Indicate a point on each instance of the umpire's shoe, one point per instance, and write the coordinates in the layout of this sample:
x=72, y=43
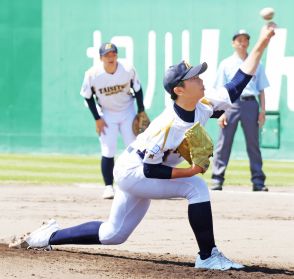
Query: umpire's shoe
x=216, y=185
x=38, y=239
x=260, y=188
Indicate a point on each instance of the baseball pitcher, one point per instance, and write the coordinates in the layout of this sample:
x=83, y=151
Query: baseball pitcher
x=148, y=167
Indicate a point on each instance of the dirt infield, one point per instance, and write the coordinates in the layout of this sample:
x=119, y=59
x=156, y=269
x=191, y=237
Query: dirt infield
x=255, y=229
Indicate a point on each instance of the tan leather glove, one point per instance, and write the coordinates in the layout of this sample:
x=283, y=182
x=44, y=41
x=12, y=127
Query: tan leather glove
x=197, y=147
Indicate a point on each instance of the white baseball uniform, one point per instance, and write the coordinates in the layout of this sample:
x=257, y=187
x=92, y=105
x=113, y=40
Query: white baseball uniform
x=157, y=145
x=116, y=102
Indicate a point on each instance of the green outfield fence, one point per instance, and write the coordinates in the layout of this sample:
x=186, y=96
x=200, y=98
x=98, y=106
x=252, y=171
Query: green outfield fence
x=47, y=45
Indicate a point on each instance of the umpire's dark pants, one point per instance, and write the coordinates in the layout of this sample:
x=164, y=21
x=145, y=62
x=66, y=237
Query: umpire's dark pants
x=245, y=111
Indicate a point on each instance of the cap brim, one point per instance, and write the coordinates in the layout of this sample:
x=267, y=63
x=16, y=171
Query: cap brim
x=195, y=71
x=241, y=34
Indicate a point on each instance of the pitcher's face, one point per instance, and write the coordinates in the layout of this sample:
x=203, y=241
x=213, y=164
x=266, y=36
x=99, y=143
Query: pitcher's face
x=194, y=88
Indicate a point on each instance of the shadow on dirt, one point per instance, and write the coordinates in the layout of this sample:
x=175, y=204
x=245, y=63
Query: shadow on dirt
x=168, y=259
x=268, y=270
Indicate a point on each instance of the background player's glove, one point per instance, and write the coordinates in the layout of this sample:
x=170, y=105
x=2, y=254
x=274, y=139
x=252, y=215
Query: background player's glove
x=140, y=123
x=197, y=147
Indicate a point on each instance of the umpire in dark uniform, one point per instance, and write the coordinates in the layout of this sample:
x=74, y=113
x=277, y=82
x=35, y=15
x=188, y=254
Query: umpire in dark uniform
x=248, y=110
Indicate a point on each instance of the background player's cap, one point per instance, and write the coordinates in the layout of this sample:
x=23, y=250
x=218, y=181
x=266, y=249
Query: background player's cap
x=107, y=47
x=241, y=32
x=182, y=71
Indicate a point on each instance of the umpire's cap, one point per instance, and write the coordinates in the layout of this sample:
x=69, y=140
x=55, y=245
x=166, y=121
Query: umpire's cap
x=107, y=47
x=239, y=33
x=182, y=71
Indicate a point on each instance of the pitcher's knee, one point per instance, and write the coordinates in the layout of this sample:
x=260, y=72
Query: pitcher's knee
x=198, y=191
x=108, y=235
x=114, y=239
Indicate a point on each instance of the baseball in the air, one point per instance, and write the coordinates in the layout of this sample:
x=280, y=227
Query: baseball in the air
x=267, y=13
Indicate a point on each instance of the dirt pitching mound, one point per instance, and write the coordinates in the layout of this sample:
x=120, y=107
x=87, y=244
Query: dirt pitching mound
x=86, y=263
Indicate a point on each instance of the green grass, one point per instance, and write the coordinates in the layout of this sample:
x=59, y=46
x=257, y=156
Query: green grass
x=65, y=169
x=49, y=169
x=278, y=173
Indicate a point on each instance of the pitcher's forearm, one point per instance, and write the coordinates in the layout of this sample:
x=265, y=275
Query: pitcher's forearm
x=251, y=63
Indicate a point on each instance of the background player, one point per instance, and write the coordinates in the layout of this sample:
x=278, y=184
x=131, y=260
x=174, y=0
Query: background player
x=146, y=170
x=111, y=82
x=246, y=110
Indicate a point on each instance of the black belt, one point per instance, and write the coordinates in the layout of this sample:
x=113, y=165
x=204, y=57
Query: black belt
x=141, y=154
x=247, y=98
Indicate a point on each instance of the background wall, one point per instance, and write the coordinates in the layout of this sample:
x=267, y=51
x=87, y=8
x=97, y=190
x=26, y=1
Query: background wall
x=20, y=75
x=46, y=46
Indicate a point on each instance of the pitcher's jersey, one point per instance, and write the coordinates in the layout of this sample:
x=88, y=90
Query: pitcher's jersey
x=161, y=139
x=112, y=90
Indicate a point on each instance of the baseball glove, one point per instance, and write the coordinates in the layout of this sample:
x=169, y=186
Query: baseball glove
x=197, y=147
x=140, y=123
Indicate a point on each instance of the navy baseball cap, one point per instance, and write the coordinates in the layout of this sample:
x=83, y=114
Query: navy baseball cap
x=107, y=47
x=182, y=71
x=241, y=32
